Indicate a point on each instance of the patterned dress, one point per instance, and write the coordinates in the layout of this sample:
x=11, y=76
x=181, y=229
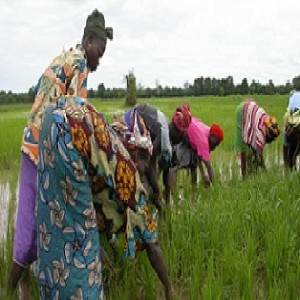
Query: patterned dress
x=66, y=75
x=85, y=177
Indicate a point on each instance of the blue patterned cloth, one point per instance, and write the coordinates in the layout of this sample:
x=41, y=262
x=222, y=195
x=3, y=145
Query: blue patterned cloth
x=69, y=262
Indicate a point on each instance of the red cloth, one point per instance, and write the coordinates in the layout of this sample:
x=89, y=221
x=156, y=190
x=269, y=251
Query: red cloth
x=182, y=117
x=217, y=131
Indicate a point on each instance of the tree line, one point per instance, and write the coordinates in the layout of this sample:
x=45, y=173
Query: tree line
x=202, y=86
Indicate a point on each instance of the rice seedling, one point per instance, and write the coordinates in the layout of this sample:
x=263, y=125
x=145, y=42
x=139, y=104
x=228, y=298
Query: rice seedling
x=238, y=239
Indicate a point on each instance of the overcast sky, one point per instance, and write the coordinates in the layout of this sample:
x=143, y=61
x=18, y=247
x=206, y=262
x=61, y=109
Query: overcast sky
x=165, y=41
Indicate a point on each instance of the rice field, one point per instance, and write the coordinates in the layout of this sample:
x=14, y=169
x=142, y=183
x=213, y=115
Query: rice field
x=236, y=240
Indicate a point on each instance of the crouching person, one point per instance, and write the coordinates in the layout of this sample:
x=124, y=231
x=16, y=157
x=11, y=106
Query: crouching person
x=164, y=135
x=291, y=133
x=254, y=129
x=86, y=183
x=195, y=150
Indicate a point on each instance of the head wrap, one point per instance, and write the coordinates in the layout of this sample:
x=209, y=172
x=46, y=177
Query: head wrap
x=272, y=127
x=182, y=117
x=95, y=24
x=217, y=131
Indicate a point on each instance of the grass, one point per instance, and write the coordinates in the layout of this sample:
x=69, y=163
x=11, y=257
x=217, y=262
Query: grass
x=235, y=240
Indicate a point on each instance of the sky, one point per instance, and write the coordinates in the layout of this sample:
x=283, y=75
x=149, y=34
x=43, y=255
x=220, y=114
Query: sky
x=166, y=42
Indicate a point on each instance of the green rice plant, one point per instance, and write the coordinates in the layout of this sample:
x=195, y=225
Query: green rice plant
x=238, y=239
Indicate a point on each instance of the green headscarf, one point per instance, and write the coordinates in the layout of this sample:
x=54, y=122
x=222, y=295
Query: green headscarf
x=95, y=24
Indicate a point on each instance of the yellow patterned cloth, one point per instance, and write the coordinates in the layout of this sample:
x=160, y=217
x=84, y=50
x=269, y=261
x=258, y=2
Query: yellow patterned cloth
x=119, y=195
x=292, y=118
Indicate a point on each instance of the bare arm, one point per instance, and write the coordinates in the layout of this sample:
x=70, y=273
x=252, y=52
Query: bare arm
x=210, y=179
x=260, y=159
x=210, y=171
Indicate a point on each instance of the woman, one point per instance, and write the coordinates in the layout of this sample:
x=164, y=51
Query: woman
x=66, y=76
x=82, y=162
x=163, y=135
x=195, y=150
x=292, y=128
x=254, y=129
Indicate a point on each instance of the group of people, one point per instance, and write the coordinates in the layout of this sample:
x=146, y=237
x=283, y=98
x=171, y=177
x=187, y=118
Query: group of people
x=81, y=175
x=77, y=179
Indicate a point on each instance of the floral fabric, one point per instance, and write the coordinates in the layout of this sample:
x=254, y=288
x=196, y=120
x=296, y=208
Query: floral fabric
x=66, y=76
x=137, y=134
x=93, y=186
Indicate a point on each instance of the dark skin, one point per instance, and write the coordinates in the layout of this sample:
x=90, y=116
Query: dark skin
x=156, y=259
x=250, y=163
x=153, y=168
x=94, y=48
x=141, y=158
x=291, y=151
x=213, y=142
x=142, y=161
x=292, y=135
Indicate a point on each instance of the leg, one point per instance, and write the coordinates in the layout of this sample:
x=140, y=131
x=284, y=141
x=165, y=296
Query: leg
x=243, y=164
x=166, y=182
x=24, y=247
x=194, y=174
x=152, y=177
x=292, y=154
x=156, y=259
x=286, y=155
x=172, y=180
x=15, y=274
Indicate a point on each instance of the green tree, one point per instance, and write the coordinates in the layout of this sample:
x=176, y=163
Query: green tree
x=91, y=93
x=207, y=86
x=198, y=86
x=296, y=82
x=270, y=88
x=244, y=87
x=100, y=91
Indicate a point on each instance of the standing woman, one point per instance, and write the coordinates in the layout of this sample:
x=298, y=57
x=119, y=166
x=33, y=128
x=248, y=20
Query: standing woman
x=66, y=76
x=81, y=164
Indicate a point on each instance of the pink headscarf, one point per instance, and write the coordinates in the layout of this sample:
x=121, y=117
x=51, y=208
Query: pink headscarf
x=182, y=117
